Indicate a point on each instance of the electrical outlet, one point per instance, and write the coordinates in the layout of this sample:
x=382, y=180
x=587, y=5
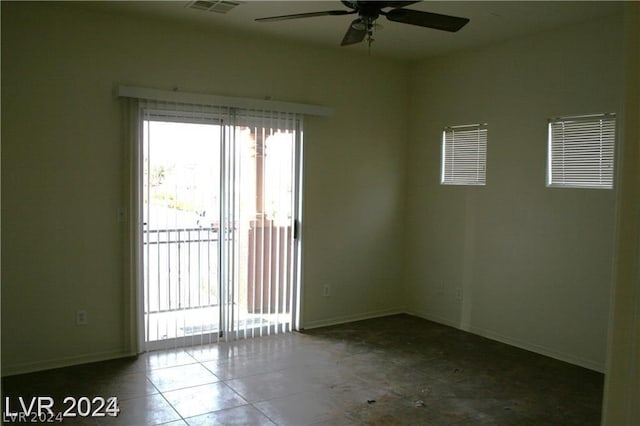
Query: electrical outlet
x=81, y=317
x=326, y=290
x=459, y=293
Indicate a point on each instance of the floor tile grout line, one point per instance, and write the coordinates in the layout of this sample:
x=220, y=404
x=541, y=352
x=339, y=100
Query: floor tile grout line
x=249, y=403
x=264, y=414
x=173, y=408
x=163, y=397
x=189, y=387
x=202, y=385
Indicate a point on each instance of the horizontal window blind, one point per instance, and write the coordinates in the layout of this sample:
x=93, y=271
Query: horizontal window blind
x=581, y=151
x=464, y=155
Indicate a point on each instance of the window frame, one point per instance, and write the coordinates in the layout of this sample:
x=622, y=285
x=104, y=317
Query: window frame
x=451, y=177
x=581, y=155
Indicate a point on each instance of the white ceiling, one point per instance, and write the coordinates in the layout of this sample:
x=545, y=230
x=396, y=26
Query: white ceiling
x=490, y=22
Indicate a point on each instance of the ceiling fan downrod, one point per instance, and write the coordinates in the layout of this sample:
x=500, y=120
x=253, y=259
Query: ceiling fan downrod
x=367, y=25
x=368, y=13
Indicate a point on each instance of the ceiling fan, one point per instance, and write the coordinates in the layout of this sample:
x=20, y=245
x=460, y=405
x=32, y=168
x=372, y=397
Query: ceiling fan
x=369, y=11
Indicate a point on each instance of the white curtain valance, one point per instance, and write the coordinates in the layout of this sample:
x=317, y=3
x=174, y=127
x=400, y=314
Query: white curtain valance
x=226, y=101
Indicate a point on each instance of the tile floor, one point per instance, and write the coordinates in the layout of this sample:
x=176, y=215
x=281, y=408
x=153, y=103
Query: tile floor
x=393, y=370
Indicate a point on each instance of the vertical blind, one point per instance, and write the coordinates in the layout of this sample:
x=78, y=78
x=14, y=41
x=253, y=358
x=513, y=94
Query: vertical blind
x=225, y=264
x=261, y=179
x=464, y=155
x=581, y=151
x=217, y=208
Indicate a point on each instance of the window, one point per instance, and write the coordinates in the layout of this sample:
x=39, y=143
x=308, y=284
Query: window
x=464, y=155
x=581, y=151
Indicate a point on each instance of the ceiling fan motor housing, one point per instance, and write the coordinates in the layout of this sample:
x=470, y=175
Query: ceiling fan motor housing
x=369, y=11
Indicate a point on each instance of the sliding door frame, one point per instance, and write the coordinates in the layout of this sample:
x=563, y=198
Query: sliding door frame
x=176, y=114
x=135, y=315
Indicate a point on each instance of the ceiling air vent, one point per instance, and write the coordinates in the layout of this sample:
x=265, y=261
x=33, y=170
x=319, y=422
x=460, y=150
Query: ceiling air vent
x=219, y=6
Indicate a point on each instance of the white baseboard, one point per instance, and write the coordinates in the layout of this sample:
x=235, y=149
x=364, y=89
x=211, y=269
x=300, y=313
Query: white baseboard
x=542, y=350
x=531, y=347
x=21, y=368
x=350, y=318
x=434, y=318
x=30, y=367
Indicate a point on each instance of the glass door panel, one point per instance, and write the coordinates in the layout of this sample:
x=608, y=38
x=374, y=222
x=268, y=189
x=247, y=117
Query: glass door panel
x=181, y=213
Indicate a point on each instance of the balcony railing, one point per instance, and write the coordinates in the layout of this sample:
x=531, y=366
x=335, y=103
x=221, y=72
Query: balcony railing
x=182, y=286
x=181, y=269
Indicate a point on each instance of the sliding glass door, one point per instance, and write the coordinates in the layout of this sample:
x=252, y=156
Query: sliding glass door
x=220, y=205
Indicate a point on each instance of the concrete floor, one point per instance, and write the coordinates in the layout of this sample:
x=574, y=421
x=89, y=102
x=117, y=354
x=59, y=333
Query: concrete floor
x=394, y=370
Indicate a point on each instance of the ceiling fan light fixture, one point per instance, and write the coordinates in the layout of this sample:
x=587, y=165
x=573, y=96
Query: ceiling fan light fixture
x=219, y=6
x=363, y=25
x=359, y=25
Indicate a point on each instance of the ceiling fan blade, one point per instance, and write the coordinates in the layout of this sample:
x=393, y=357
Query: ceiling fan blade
x=384, y=4
x=306, y=15
x=353, y=35
x=427, y=19
x=351, y=4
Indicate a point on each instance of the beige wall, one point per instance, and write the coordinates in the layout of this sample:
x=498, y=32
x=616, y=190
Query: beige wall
x=62, y=168
x=622, y=385
x=62, y=179
x=534, y=263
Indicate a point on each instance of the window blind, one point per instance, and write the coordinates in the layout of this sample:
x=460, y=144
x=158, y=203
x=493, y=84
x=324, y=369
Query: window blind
x=215, y=201
x=581, y=151
x=464, y=155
